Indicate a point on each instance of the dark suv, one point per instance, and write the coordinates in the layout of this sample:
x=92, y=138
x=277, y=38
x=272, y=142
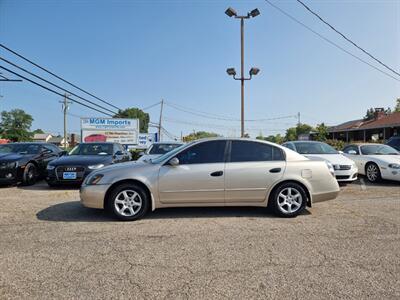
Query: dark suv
x=394, y=142
x=25, y=162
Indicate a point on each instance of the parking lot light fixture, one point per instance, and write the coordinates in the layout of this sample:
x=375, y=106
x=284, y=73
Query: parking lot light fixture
x=230, y=12
x=254, y=71
x=231, y=71
x=254, y=13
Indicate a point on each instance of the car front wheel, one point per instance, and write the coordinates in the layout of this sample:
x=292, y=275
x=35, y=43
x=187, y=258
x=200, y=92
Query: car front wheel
x=373, y=173
x=128, y=202
x=29, y=175
x=288, y=200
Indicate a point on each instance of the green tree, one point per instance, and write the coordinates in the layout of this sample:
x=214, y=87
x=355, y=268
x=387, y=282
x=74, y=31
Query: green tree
x=370, y=114
x=199, y=135
x=293, y=133
x=136, y=113
x=37, y=131
x=15, y=125
x=397, y=107
x=322, y=132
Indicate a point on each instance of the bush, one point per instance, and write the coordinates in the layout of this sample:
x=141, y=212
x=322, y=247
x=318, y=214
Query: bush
x=136, y=153
x=337, y=144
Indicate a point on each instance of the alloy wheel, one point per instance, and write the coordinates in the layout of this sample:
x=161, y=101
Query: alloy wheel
x=372, y=172
x=290, y=200
x=128, y=203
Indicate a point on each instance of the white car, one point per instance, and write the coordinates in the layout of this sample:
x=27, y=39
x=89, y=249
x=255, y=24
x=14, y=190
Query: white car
x=157, y=149
x=345, y=169
x=376, y=161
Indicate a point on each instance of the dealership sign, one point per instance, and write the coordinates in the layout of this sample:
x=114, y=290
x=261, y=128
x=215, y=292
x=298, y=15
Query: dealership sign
x=124, y=131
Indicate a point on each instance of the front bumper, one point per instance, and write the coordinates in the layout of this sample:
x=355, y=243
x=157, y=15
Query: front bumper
x=346, y=175
x=93, y=195
x=9, y=176
x=55, y=177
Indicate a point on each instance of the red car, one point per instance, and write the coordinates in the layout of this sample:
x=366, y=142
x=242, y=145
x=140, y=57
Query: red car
x=95, y=138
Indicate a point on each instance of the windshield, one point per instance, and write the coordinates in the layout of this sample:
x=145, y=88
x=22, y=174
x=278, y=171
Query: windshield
x=378, y=150
x=168, y=154
x=314, y=148
x=20, y=148
x=92, y=149
x=162, y=148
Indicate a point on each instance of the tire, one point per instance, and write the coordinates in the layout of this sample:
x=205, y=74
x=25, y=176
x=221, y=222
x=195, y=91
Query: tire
x=288, y=200
x=128, y=202
x=372, y=172
x=30, y=174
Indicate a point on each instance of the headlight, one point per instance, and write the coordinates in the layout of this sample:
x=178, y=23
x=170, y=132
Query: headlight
x=49, y=167
x=330, y=167
x=92, y=180
x=9, y=165
x=394, y=166
x=95, y=167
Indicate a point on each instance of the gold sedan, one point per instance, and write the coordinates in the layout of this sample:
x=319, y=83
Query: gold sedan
x=213, y=172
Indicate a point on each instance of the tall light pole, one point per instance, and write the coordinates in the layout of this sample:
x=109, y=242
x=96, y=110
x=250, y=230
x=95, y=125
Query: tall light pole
x=230, y=12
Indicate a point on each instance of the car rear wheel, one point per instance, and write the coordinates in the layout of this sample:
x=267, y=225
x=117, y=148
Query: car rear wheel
x=128, y=202
x=30, y=174
x=373, y=173
x=288, y=200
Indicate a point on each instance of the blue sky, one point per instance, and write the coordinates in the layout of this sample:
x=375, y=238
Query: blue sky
x=134, y=53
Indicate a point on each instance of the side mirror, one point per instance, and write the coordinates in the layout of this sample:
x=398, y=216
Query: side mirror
x=63, y=153
x=352, y=152
x=173, y=161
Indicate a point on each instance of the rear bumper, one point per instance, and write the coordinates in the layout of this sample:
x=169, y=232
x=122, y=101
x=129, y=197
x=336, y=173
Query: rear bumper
x=325, y=196
x=93, y=195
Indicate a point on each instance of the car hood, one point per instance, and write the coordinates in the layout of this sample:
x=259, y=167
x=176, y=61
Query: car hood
x=389, y=159
x=83, y=160
x=10, y=157
x=334, y=159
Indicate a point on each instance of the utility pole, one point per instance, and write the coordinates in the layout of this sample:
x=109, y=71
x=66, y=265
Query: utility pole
x=65, y=107
x=230, y=12
x=298, y=119
x=159, y=123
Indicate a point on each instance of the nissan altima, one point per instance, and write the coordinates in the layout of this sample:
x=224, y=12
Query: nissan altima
x=213, y=172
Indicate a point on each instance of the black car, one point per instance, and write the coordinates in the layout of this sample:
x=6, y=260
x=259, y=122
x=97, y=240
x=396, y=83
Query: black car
x=83, y=159
x=394, y=142
x=26, y=162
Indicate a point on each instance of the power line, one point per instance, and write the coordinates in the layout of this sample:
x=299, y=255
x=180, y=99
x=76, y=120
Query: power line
x=328, y=40
x=151, y=106
x=55, y=85
x=219, y=117
x=346, y=38
x=53, y=91
x=58, y=77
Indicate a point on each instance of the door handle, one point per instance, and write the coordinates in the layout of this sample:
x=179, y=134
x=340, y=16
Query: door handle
x=217, y=173
x=275, y=170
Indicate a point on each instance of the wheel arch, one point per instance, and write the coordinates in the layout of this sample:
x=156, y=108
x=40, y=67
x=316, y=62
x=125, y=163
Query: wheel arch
x=129, y=181
x=278, y=184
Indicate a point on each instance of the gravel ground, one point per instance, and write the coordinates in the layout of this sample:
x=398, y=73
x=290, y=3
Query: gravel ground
x=52, y=247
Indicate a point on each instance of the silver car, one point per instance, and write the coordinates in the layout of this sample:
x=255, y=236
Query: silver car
x=157, y=149
x=213, y=172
